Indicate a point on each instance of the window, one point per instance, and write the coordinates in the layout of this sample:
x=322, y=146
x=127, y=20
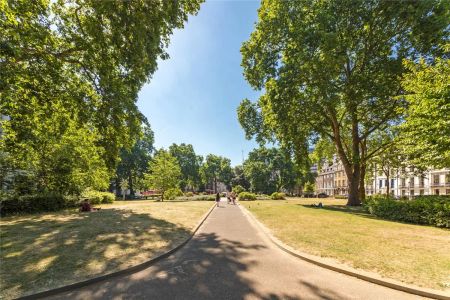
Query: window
x=392, y=183
x=436, y=179
x=447, y=192
x=422, y=181
x=411, y=192
x=380, y=183
x=436, y=192
x=411, y=181
x=403, y=192
x=403, y=181
x=421, y=192
x=385, y=182
x=447, y=178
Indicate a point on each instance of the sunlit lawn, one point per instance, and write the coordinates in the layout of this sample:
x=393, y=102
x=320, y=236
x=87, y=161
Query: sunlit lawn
x=410, y=253
x=44, y=251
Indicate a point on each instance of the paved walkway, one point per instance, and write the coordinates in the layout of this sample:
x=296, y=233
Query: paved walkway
x=229, y=258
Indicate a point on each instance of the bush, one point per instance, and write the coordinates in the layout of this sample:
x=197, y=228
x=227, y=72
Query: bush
x=428, y=210
x=247, y=196
x=96, y=197
x=238, y=189
x=171, y=194
x=277, y=196
x=189, y=194
x=36, y=203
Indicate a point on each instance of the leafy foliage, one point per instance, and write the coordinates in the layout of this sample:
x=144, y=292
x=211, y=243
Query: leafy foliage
x=36, y=203
x=216, y=168
x=269, y=170
x=164, y=172
x=172, y=193
x=96, y=197
x=247, y=196
x=238, y=189
x=332, y=69
x=189, y=163
x=71, y=72
x=425, y=135
x=277, y=196
x=429, y=210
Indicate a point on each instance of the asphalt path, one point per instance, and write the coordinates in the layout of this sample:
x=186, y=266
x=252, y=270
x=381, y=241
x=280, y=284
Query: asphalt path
x=230, y=258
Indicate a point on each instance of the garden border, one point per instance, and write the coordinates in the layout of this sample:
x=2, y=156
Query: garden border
x=363, y=275
x=126, y=271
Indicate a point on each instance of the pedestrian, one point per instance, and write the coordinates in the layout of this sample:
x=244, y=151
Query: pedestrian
x=233, y=197
x=218, y=199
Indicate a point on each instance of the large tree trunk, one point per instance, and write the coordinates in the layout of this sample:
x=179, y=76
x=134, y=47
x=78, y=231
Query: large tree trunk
x=362, y=187
x=353, y=197
x=215, y=185
x=130, y=184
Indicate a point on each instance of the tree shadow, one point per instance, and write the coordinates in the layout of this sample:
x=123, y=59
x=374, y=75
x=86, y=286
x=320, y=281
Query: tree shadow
x=208, y=267
x=47, y=251
x=354, y=210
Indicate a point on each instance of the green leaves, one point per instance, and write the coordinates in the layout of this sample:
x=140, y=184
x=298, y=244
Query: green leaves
x=164, y=172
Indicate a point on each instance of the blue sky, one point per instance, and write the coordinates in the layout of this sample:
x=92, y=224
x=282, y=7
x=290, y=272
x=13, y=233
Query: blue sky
x=193, y=96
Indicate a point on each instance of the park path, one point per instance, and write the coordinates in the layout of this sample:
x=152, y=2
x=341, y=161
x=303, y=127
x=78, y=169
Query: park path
x=230, y=258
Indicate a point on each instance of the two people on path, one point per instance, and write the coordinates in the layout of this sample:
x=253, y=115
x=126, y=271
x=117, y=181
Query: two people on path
x=231, y=197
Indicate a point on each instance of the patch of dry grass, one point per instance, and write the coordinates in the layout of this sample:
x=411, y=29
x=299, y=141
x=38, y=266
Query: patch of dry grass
x=411, y=253
x=44, y=251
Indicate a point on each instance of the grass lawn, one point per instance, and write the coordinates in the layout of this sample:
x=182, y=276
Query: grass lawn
x=410, y=253
x=48, y=250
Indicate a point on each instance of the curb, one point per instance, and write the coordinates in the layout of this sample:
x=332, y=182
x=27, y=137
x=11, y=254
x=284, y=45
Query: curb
x=345, y=269
x=126, y=271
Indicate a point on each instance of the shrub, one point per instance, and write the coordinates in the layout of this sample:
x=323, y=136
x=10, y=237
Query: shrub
x=277, y=196
x=96, y=197
x=247, y=196
x=171, y=194
x=428, y=210
x=35, y=203
x=189, y=194
x=238, y=189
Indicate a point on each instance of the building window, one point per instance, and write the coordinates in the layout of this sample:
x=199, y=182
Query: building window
x=422, y=181
x=447, y=178
x=411, y=181
x=436, y=179
x=386, y=183
x=447, y=192
x=392, y=183
x=436, y=192
x=380, y=183
x=403, y=192
x=403, y=181
x=411, y=192
x=421, y=192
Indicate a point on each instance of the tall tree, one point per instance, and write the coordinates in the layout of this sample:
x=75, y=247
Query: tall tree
x=239, y=178
x=164, y=172
x=269, y=170
x=425, y=135
x=333, y=69
x=84, y=57
x=216, y=169
x=134, y=162
x=189, y=163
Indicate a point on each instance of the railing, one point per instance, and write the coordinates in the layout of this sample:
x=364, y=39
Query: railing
x=434, y=184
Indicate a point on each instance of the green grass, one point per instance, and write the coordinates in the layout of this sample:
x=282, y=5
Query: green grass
x=413, y=254
x=48, y=250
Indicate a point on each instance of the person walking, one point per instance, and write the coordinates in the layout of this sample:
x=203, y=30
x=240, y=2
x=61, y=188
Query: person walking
x=218, y=199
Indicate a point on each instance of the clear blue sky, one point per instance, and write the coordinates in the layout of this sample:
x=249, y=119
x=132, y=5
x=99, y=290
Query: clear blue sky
x=193, y=96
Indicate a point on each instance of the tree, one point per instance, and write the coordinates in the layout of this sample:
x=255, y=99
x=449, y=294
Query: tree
x=164, y=172
x=238, y=178
x=123, y=187
x=269, y=170
x=309, y=187
x=425, y=134
x=333, y=69
x=80, y=62
x=134, y=162
x=216, y=168
x=189, y=163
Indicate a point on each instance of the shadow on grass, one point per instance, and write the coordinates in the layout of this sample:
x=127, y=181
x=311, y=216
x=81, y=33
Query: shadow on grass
x=354, y=210
x=208, y=267
x=51, y=250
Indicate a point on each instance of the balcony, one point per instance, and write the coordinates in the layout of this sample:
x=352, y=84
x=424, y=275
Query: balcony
x=440, y=184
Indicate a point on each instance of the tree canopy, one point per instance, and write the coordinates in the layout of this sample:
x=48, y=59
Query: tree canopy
x=76, y=67
x=189, y=163
x=164, y=172
x=216, y=169
x=333, y=69
x=269, y=170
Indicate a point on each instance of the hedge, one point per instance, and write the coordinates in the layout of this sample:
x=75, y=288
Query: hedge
x=247, y=196
x=36, y=203
x=171, y=194
x=277, y=196
x=238, y=189
x=96, y=197
x=427, y=210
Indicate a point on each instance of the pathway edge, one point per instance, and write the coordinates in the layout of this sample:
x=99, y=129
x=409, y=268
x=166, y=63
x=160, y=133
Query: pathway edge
x=390, y=283
x=126, y=271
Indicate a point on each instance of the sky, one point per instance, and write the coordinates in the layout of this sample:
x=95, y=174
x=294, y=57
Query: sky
x=193, y=96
